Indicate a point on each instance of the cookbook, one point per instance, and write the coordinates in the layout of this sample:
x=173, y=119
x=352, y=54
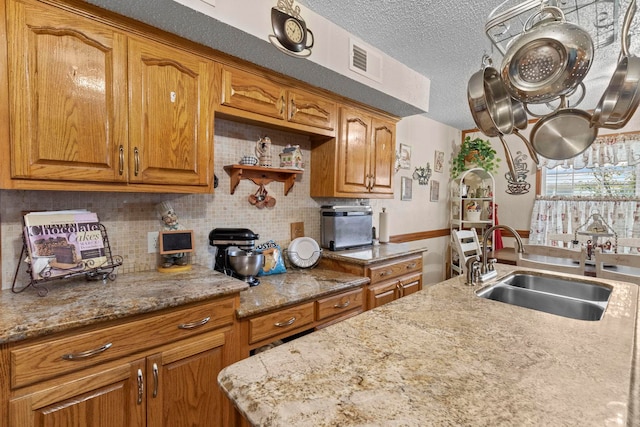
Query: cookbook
x=63, y=242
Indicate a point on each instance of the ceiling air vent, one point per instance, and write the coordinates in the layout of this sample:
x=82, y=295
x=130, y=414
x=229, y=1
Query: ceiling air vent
x=365, y=62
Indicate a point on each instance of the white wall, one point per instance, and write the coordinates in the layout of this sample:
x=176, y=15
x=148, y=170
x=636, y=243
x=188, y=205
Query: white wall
x=424, y=136
x=330, y=50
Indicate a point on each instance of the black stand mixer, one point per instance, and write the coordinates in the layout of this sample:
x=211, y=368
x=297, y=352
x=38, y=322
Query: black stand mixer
x=235, y=253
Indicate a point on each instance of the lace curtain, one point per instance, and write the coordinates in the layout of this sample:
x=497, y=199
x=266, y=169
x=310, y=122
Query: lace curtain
x=553, y=215
x=605, y=150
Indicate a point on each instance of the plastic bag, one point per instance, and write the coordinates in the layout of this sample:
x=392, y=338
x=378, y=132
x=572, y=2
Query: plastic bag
x=273, y=258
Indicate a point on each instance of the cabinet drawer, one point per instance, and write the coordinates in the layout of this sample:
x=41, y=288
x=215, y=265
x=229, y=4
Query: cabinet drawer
x=378, y=273
x=309, y=109
x=253, y=93
x=48, y=358
x=411, y=284
x=272, y=324
x=336, y=304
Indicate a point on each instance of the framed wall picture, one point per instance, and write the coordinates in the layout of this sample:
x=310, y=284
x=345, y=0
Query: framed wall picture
x=405, y=156
x=407, y=184
x=438, y=161
x=435, y=190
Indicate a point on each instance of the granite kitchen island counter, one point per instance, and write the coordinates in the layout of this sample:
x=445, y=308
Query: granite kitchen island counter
x=444, y=356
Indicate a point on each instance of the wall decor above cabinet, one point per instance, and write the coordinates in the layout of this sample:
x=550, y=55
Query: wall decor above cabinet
x=290, y=32
x=106, y=110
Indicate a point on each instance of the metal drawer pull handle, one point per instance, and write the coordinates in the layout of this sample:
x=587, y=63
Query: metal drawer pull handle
x=345, y=304
x=412, y=265
x=86, y=354
x=287, y=323
x=136, y=159
x=121, y=168
x=385, y=273
x=140, y=386
x=194, y=324
x=155, y=380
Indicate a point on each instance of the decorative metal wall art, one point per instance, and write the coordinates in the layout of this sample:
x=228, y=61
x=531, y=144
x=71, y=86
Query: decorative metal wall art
x=518, y=185
x=422, y=174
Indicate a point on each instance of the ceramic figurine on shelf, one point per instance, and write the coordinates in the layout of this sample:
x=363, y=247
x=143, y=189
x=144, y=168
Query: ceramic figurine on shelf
x=263, y=151
x=170, y=222
x=291, y=157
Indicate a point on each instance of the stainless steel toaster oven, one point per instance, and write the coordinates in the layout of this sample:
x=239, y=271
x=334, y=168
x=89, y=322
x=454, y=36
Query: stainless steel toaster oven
x=346, y=227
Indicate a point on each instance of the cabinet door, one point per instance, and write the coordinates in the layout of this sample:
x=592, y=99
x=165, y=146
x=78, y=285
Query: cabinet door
x=383, y=146
x=68, y=103
x=308, y=109
x=111, y=398
x=171, y=118
x=354, y=154
x=252, y=93
x=182, y=383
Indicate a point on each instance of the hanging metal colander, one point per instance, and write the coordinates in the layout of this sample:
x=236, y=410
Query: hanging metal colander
x=548, y=60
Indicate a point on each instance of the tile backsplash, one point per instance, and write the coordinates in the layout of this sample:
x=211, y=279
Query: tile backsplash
x=128, y=217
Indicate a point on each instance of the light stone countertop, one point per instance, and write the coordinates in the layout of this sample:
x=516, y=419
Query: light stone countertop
x=74, y=303
x=376, y=253
x=295, y=286
x=445, y=357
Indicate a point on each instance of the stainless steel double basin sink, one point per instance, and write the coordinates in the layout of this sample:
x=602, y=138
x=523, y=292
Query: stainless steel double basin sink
x=572, y=298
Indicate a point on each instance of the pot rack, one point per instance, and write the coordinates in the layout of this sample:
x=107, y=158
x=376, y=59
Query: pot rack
x=598, y=17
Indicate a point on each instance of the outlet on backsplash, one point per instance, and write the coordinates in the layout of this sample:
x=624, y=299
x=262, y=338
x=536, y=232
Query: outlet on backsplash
x=152, y=241
x=297, y=230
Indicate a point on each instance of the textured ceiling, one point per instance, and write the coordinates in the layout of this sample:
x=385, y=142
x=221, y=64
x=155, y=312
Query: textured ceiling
x=445, y=41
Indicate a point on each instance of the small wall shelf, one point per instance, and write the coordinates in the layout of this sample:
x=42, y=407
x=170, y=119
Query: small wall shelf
x=261, y=176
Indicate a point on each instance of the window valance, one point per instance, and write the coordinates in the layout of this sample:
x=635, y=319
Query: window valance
x=607, y=150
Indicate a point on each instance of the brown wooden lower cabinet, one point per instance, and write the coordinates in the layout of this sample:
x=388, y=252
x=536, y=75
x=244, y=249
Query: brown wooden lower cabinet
x=390, y=279
x=263, y=329
x=172, y=383
x=393, y=289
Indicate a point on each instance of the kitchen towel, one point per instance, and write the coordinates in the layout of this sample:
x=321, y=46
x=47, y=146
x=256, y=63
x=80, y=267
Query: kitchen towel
x=384, y=226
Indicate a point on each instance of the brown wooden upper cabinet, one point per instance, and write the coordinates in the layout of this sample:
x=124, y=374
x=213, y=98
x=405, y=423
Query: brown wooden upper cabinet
x=256, y=97
x=93, y=105
x=359, y=162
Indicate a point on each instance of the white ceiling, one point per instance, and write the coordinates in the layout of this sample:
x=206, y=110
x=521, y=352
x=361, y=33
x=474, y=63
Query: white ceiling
x=445, y=41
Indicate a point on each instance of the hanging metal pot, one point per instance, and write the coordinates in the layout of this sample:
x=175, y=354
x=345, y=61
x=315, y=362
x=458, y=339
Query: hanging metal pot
x=563, y=134
x=490, y=106
x=549, y=59
x=622, y=97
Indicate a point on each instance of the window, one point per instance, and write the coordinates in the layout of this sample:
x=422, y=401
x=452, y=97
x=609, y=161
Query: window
x=609, y=168
x=602, y=181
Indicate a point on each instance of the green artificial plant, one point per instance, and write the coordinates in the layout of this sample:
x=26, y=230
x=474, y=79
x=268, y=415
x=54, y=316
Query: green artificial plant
x=478, y=152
